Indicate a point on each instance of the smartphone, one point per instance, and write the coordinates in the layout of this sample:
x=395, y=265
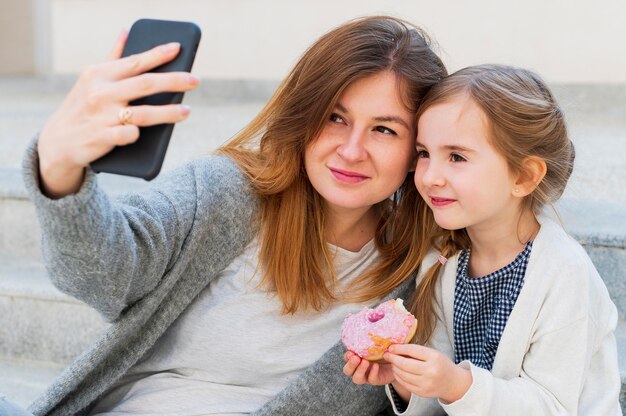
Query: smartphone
x=144, y=158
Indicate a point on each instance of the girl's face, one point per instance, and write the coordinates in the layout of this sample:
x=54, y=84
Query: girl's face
x=462, y=177
x=366, y=149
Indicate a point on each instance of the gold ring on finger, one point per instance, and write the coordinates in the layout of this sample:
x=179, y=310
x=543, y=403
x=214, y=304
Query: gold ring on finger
x=124, y=116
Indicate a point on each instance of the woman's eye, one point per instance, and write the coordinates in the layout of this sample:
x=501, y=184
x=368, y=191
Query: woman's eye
x=456, y=158
x=336, y=118
x=385, y=130
x=421, y=154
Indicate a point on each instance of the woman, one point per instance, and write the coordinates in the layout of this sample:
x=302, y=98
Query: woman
x=228, y=279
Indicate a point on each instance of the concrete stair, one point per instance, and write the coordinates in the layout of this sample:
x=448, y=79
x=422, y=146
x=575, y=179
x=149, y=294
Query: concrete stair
x=42, y=330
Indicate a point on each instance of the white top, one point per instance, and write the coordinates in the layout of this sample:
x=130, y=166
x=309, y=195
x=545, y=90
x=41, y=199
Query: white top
x=557, y=354
x=232, y=349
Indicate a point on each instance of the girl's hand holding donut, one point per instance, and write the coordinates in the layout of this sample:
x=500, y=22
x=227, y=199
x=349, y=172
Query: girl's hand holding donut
x=426, y=372
x=95, y=116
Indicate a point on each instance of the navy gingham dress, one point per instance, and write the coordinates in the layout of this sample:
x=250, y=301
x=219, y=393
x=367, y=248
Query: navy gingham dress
x=482, y=306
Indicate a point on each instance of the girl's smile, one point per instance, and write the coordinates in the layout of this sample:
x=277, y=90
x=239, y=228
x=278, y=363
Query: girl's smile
x=441, y=202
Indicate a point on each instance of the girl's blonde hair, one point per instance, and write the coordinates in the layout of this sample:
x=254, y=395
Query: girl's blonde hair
x=524, y=120
x=294, y=258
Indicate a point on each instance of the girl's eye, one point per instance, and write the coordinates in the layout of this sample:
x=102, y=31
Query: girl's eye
x=336, y=118
x=456, y=158
x=422, y=154
x=385, y=130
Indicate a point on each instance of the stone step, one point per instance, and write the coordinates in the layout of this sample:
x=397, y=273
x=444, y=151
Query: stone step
x=601, y=229
x=620, y=334
x=20, y=236
x=39, y=322
x=22, y=381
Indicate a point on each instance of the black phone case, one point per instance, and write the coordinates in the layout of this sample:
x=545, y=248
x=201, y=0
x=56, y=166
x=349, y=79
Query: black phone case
x=144, y=158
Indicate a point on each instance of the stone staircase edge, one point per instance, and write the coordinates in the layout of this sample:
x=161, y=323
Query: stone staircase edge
x=26, y=278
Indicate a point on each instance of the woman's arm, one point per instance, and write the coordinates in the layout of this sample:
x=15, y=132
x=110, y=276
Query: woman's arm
x=323, y=390
x=110, y=254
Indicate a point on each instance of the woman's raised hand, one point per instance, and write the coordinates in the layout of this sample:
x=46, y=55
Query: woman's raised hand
x=93, y=118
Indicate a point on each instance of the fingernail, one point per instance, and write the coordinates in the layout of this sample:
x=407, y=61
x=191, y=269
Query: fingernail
x=169, y=47
x=193, y=80
x=185, y=109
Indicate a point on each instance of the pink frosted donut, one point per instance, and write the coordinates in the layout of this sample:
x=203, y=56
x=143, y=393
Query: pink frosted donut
x=370, y=332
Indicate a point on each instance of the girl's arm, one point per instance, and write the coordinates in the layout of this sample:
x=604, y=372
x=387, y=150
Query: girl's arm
x=552, y=380
x=110, y=254
x=440, y=349
x=426, y=372
x=569, y=364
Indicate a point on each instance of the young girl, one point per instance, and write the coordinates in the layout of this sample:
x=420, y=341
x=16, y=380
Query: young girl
x=521, y=322
x=226, y=280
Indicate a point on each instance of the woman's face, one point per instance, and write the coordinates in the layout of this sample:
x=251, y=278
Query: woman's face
x=366, y=148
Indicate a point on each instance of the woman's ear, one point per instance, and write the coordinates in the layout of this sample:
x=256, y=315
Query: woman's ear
x=530, y=176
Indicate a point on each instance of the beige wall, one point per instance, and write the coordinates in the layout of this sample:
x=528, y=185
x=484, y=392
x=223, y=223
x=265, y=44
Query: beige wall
x=565, y=40
x=16, y=37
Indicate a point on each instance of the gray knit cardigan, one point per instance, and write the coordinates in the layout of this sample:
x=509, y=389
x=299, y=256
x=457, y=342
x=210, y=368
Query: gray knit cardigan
x=142, y=259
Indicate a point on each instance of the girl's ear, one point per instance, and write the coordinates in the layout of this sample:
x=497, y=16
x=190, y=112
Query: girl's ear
x=532, y=173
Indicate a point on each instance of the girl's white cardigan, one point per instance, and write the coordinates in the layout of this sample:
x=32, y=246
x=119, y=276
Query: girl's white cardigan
x=557, y=354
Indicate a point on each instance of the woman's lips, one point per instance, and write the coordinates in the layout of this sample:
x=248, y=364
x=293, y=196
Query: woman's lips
x=346, y=176
x=441, y=202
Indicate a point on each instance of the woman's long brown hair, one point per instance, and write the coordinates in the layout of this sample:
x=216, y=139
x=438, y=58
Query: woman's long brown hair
x=294, y=257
